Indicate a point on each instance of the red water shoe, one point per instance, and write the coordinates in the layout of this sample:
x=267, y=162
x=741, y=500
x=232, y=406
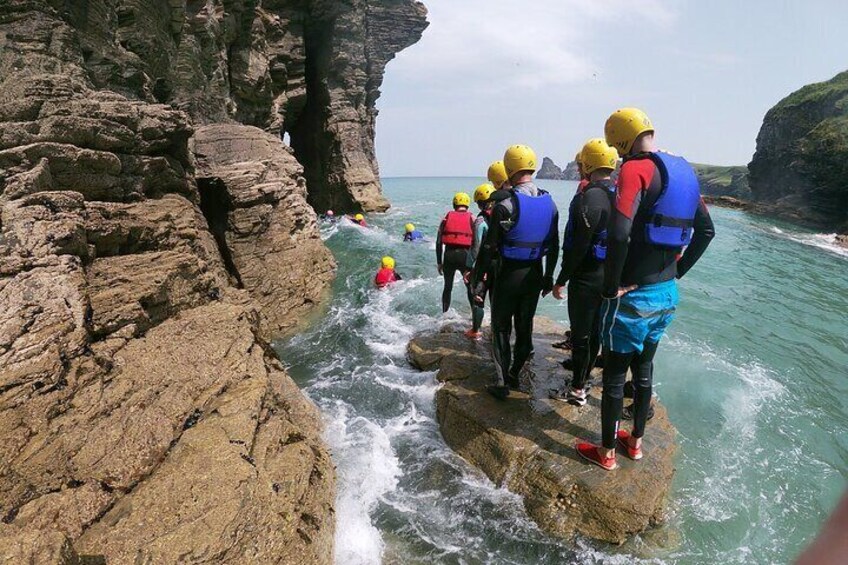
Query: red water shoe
x=624, y=442
x=590, y=452
x=476, y=336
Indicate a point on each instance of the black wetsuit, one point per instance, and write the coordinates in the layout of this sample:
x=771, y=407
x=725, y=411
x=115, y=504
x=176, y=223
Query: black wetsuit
x=453, y=259
x=589, y=216
x=516, y=286
x=631, y=260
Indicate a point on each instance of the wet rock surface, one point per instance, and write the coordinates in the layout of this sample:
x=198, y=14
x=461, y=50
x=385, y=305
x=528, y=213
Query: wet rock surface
x=526, y=443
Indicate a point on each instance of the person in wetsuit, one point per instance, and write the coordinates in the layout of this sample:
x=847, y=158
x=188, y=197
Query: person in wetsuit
x=412, y=234
x=584, y=180
x=453, y=241
x=583, y=253
x=387, y=275
x=523, y=230
x=483, y=198
x=658, y=212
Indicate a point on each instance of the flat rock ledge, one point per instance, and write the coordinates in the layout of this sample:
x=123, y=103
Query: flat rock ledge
x=526, y=443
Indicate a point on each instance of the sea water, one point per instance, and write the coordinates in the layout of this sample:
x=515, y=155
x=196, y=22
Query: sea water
x=754, y=373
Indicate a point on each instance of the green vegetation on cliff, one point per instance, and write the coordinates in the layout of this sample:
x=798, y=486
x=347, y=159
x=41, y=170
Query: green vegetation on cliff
x=802, y=155
x=717, y=180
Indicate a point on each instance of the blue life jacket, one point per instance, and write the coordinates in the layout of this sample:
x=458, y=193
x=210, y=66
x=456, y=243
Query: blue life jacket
x=599, y=240
x=671, y=221
x=529, y=237
x=414, y=235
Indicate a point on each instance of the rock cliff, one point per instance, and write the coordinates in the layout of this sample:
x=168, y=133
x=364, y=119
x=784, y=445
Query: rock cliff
x=154, y=235
x=801, y=161
x=526, y=443
x=550, y=171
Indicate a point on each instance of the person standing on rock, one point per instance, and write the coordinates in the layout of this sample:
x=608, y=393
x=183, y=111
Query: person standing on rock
x=581, y=184
x=453, y=242
x=483, y=198
x=584, y=249
x=513, y=250
x=658, y=212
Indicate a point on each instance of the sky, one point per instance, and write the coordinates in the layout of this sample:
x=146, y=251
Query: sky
x=547, y=73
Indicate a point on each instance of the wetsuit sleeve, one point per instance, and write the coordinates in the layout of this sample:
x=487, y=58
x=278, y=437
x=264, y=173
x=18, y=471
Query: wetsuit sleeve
x=479, y=234
x=592, y=208
x=704, y=233
x=491, y=243
x=553, y=253
x=439, y=243
x=398, y=277
x=635, y=176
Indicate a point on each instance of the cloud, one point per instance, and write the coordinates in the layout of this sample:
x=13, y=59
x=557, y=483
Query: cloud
x=501, y=44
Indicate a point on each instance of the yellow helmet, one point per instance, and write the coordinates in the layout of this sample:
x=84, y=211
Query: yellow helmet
x=461, y=199
x=596, y=154
x=409, y=228
x=497, y=174
x=359, y=217
x=624, y=126
x=387, y=262
x=519, y=158
x=483, y=192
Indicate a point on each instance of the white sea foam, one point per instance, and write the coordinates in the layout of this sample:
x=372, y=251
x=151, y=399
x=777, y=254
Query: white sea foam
x=367, y=469
x=825, y=241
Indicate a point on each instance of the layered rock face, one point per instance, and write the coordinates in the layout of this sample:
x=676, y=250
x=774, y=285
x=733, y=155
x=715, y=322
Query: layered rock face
x=802, y=156
x=309, y=68
x=148, y=254
x=348, y=44
x=526, y=443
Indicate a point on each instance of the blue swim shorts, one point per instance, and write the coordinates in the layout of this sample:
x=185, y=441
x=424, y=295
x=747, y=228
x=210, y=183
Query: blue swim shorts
x=637, y=317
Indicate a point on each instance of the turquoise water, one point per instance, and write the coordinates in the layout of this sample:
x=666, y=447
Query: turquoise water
x=754, y=373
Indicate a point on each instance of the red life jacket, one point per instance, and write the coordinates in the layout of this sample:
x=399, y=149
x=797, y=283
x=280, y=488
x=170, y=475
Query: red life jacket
x=458, y=229
x=385, y=277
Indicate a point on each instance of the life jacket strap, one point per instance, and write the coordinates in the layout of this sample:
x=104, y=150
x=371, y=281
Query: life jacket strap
x=668, y=222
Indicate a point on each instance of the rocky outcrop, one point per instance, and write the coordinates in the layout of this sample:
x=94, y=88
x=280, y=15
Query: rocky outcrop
x=348, y=45
x=253, y=192
x=717, y=180
x=802, y=150
x=144, y=417
x=549, y=170
x=36, y=547
x=309, y=68
x=526, y=442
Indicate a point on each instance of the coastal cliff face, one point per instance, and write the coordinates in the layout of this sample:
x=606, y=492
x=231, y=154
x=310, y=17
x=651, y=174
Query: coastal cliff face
x=155, y=233
x=801, y=161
